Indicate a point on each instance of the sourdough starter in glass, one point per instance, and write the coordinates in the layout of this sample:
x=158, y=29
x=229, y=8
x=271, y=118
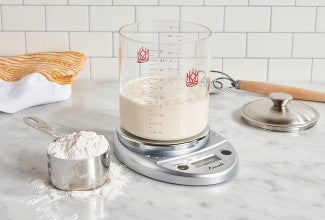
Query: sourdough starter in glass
x=163, y=108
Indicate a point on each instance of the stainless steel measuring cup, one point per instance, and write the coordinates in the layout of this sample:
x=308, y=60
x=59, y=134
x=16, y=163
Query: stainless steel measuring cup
x=67, y=174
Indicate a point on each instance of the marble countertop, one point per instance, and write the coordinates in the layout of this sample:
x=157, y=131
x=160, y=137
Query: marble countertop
x=281, y=175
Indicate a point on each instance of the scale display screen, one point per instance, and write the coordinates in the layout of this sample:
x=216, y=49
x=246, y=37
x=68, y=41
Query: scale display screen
x=206, y=161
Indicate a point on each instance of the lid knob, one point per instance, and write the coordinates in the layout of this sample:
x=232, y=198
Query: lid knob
x=280, y=99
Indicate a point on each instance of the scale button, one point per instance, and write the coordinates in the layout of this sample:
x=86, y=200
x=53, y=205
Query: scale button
x=226, y=152
x=183, y=167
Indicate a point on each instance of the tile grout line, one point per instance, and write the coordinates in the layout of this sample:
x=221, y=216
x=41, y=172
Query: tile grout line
x=316, y=19
x=312, y=60
x=1, y=13
x=311, y=70
x=113, y=41
x=270, y=28
x=69, y=40
x=88, y=18
x=231, y=6
x=270, y=22
x=214, y=32
x=292, y=40
x=45, y=18
x=180, y=13
x=219, y=5
x=90, y=68
x=135, y=13
x=222, y=61
x=25, y=41
x=89, y=30
x=224, y=19
x=246, y=46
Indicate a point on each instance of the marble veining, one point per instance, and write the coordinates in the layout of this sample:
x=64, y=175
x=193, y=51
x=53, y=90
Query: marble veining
x=281, y=175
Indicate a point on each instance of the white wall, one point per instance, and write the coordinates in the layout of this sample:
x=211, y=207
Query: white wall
x=274, y=40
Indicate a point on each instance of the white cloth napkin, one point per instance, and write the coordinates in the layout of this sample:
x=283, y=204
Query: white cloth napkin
x=31, y=90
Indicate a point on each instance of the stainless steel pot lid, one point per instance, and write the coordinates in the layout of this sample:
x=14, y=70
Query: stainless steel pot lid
x=280, y=113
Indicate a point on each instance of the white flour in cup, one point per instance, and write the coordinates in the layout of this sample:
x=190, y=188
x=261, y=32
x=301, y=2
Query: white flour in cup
x=78, y=145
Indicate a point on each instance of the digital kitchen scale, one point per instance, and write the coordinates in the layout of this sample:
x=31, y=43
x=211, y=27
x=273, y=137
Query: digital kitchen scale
x=205, y=159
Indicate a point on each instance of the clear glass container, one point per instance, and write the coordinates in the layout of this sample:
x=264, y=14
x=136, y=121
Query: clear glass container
x=164, y=86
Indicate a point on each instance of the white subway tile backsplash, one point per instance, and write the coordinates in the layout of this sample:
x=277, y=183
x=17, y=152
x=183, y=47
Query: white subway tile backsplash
x=252, y=39
x=272, y=2
x=212, y=17
x=67, y=18
x=226, y=2
x=101, y=17
x=181, y=2
x=247, y=19
x=310, y=2
x=45, y=2
x=23, y=18
x=104, y=68
x=269, y=45
x=90, y=2
x=308, y=45
x=228, y=45
x=92, y=43
x=157, y=13
x=289, y=19
x=11, y=2
x=246, y=69
x=286, y=70
x=320, y=25
x=51, y=41
x=135, y=2
x=12, y=43
x=216, y=64
x=318, y=75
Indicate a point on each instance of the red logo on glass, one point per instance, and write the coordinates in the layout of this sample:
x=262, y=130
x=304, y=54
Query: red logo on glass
x=192, y=78
x=143, y=55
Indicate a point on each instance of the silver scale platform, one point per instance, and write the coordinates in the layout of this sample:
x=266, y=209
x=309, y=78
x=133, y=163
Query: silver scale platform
x=205, y=159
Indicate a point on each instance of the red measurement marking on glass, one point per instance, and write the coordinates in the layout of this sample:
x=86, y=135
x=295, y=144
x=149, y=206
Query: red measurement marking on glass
x=192, y=78
x=143, y=55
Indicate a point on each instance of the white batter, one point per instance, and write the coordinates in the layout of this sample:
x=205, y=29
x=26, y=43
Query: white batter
x=163, y=108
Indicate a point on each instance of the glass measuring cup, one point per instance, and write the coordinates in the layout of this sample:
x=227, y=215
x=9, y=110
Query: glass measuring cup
x=163, y=83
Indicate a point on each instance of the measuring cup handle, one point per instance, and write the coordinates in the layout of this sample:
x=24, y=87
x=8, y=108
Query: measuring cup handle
x=41, y=125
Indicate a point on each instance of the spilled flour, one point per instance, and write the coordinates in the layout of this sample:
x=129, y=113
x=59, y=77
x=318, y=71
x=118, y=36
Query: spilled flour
x=47, y=198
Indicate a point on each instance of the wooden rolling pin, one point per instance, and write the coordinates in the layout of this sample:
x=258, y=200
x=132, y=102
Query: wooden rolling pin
x=268, y=88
